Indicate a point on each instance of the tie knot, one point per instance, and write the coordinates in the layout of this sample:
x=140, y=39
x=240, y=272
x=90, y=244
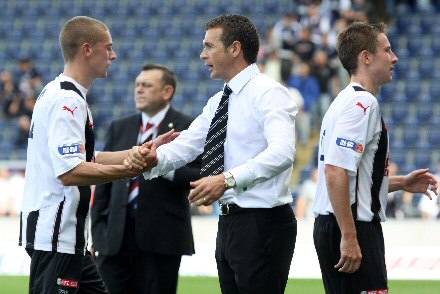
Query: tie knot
x=227, y=91
x=148, y=126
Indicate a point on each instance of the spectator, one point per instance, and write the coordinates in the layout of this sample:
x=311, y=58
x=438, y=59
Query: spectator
x=141, y=238
x=308, y=86
x=285, y=34
x=10, y=95
x=328, y=79
x=28, y=78
x=304, y=48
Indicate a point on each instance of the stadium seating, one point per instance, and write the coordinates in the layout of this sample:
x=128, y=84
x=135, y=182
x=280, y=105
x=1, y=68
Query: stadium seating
x=171, y=32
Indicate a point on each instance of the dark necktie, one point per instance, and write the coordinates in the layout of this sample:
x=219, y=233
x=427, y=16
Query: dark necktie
x=134, y=182
x=213, y=154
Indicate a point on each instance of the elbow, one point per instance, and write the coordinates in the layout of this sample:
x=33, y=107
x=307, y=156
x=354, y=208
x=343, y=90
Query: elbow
x=66, y=179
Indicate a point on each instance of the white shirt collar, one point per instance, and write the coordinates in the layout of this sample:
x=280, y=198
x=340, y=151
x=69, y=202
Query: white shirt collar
x=242, y=78
x=157, y=119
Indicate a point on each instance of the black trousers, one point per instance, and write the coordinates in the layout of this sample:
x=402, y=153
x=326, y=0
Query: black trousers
x=254, y=250
x=135, y=271
x=53, y=272
x=372, y=274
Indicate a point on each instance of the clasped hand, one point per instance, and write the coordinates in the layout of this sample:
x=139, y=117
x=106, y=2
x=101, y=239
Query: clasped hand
x=143, y=158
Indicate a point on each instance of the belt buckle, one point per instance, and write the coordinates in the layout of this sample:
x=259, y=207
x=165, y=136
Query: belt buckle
x=224, y=208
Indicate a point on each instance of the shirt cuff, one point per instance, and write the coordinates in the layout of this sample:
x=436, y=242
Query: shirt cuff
x=243, y=179
x=169, y=176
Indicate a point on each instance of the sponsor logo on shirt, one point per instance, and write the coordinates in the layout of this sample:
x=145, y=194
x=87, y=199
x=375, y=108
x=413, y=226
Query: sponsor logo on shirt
x=363, y=107
x=71, y=149
x=70, y=110
x=67, y=283
x=383, y=291
x=350, y=144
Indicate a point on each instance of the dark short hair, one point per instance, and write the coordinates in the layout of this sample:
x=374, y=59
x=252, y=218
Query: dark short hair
x=168, y=76
x=356, y=37
x=238, y=28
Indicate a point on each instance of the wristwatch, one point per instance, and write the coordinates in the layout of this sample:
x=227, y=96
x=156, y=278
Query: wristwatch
x=229, y=180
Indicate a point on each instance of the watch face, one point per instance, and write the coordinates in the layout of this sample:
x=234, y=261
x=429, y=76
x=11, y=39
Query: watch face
x=230, y=182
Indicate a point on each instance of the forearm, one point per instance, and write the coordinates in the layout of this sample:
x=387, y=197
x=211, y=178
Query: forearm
x=396, y=183
x=338, y=189
x=111, y=158
x=87, y=173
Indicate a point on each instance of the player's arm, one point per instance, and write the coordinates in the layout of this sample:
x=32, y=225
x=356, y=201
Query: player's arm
x=418, y=181
x=89, y=173
x=338, y=189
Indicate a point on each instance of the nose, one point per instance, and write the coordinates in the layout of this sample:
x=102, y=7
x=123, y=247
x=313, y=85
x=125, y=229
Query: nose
x=114, y=56
x=395, y=59
x=203, y=55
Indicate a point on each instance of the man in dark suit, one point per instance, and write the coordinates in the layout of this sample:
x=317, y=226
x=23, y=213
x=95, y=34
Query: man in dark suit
x=139, y=240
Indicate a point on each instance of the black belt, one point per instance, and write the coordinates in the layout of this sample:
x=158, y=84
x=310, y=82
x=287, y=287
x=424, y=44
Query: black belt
x=231, y=209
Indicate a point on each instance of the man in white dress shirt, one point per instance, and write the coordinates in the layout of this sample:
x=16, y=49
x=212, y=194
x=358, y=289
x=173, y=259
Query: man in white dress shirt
x=257, y=227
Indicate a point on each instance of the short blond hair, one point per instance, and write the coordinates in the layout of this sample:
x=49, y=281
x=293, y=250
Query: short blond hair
x=80, y=30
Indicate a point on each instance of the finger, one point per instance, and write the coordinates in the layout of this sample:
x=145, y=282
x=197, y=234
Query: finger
x=429, y=193
x=340, y=263
x=420, y=172
x=127, y=165
x=347, y=267
x=147, y=144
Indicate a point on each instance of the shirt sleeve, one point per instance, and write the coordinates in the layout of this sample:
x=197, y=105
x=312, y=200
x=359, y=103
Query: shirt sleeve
x=352, y=133
x=66, y=137
x=187, y=146
x=276, y=112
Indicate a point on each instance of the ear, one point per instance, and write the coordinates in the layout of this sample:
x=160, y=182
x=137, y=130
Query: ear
x=86, y=49
x=235, y=48
x=169, y=91
x=365, y=57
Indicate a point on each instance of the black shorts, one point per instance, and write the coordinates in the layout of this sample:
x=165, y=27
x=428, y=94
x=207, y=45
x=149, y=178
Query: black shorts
x=372, y=274
x=62, y=273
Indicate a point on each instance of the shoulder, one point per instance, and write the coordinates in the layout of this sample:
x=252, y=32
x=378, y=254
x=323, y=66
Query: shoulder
x=173, y=113
x=126, y=120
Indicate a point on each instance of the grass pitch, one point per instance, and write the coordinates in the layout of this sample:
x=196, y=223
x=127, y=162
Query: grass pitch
x=210, y=285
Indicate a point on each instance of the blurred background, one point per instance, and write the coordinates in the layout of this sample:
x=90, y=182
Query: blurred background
x=297, y=48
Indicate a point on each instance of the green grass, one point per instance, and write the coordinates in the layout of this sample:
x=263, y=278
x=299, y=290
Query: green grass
x=209, y=285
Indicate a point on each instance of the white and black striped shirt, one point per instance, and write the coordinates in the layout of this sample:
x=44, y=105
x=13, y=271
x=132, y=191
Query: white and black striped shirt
x=55, y=217
x=354, y=137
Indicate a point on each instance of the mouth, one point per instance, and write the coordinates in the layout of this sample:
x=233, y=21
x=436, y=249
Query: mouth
x=209, y=66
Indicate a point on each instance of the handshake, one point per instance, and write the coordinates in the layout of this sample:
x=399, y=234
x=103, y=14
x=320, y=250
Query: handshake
x=143, y=158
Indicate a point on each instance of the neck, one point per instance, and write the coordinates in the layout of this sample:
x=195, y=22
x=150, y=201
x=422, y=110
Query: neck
x=75, y=72
x=366, y=83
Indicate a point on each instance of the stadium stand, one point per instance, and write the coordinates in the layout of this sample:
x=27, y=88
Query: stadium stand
x=171, y=32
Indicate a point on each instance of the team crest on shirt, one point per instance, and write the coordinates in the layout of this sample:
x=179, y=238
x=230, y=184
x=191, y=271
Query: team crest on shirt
x=359, y=148
x=72, y=149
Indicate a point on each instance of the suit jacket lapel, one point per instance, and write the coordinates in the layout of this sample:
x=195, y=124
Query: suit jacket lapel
x=169, y=121
x=132, y=131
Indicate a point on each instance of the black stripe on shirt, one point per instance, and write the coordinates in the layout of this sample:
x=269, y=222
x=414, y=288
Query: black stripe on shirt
x=357, y=88
x=81, y=214
x=31, y=228
x=72, y=87
x=56, y=229
x=20, y=238
x=379, y=169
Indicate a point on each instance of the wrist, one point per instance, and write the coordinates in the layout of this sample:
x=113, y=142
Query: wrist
x=229, y=180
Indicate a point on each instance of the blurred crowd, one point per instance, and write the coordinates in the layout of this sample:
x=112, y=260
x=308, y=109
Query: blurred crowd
x=18, y=93
x=299, y=51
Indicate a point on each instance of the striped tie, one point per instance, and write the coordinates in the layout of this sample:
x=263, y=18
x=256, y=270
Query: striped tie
x=213, y=154
x=134, y=182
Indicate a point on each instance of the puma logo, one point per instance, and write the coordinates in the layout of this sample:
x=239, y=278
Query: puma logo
x=69, y=110
x=363, y=107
